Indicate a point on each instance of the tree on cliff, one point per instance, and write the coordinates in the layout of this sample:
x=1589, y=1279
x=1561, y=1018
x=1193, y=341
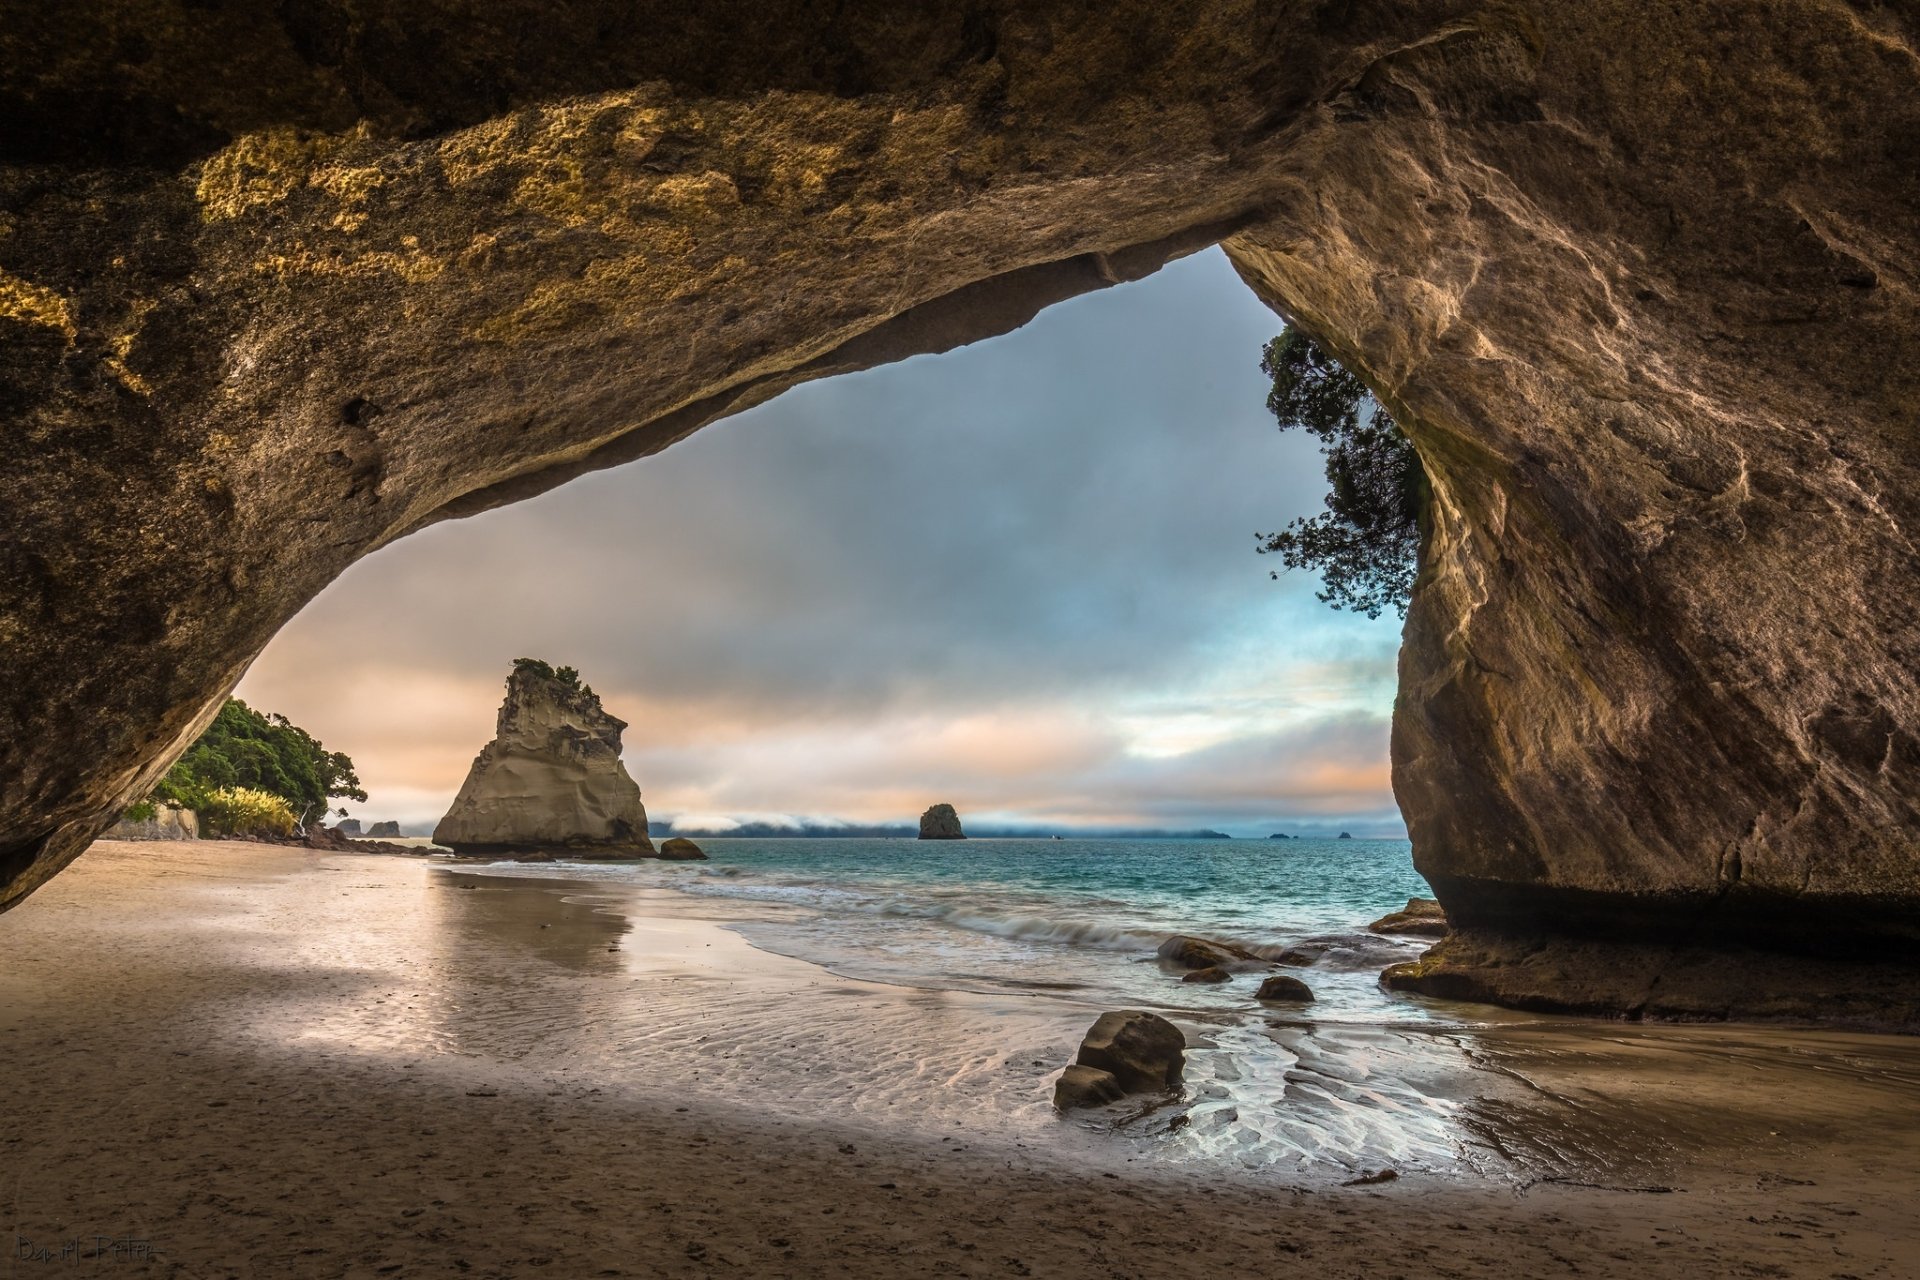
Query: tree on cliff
x=243, y=748
x=1366, y=544
x=567, y=676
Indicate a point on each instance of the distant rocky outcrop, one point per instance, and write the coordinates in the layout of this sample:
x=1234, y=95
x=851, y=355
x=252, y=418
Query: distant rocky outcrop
x=349, y=827
x=940, y=822
x=1344, y=835
x=551, y=781
x=381, y=831
x=681, y=849
x=1279, y=835
x=1422, y=918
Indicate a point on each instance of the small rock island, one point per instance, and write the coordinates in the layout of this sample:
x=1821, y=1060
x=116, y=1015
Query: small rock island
x=551, y=781
x=940, y=822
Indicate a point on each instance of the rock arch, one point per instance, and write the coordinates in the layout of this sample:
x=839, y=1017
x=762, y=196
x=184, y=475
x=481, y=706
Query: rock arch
x=278, y=288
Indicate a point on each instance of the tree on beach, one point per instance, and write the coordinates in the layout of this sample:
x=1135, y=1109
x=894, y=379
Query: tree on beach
x=1366, y=544
x=246, y=750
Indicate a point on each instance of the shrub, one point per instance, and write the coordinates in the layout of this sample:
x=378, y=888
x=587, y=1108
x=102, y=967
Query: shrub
x=243, y=811
x=568, y=677
x=245, y=749
x=144, y=811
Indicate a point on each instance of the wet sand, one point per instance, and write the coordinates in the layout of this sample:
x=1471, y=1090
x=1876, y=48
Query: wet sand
x=243, y=1060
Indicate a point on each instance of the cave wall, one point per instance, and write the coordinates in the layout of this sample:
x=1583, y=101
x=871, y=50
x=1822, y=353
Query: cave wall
x=277, y=287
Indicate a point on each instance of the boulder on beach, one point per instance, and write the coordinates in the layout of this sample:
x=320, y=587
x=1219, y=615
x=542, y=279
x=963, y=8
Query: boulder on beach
x=940, y=822
x=1184, y=952
x=1280, y=989
x=382, y=831
x=1212, y=973
x=681, y=849
x=1080, y=1086
x=1143, y=1051
x=551, y=782
x=1422, y=918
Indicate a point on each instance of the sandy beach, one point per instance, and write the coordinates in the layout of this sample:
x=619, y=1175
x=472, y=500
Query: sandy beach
x=229, y=1059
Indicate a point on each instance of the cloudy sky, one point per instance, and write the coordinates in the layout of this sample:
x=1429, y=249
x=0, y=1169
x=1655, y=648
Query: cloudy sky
x=1018, y=577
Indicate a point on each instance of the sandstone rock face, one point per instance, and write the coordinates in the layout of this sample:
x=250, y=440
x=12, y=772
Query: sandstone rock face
x=1080, y=1086
x=550, y=782
x=167, y=823
x=940, y=822
x=275, y=291
x=1422, y=918
x=1143, y=1051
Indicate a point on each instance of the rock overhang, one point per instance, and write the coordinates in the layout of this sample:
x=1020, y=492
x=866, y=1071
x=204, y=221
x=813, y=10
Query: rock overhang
x=276, y=291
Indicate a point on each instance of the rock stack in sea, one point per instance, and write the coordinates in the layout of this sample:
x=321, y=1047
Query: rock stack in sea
x=551, y=781
x=382, y=831
x=940, y=822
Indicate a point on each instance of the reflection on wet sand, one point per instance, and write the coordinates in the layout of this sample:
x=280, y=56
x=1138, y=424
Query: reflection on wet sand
x=643, y=991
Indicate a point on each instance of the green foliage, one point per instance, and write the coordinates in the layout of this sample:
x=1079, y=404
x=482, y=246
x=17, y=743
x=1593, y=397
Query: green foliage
x=246, y=750
x=1366, y=544
x=245, y=811
x=566, y=676
x=143, y=811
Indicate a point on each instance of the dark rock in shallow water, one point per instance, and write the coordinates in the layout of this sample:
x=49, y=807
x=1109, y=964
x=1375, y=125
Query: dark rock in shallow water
x=1183, y=952
x=940, y=822
x=1280, y=989
x=1422, y=918
x=1144, y=1052
x=1212, y=973
x=681, y=849
x=1345, y=952
x=1658, y=982
x=1082, y=1086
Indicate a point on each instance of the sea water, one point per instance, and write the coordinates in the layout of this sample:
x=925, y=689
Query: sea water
x=1360, y=1078
x=1079, y=915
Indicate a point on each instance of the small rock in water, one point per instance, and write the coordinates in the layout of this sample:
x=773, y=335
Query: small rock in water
x=1143, y=1051
x=1281, y=989
x=1213, y=973
x=1371, y=1179
x=681, y=849
x=1080, y=1086
x=1183, y=952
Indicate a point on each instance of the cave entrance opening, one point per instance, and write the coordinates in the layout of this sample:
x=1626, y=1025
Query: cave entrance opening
x=1018, y=576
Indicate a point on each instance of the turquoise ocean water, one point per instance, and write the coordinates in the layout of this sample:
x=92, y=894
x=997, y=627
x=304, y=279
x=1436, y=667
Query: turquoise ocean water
x=1081, y=916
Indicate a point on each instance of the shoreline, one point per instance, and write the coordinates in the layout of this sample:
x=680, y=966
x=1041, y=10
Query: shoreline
x=269, y=1061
